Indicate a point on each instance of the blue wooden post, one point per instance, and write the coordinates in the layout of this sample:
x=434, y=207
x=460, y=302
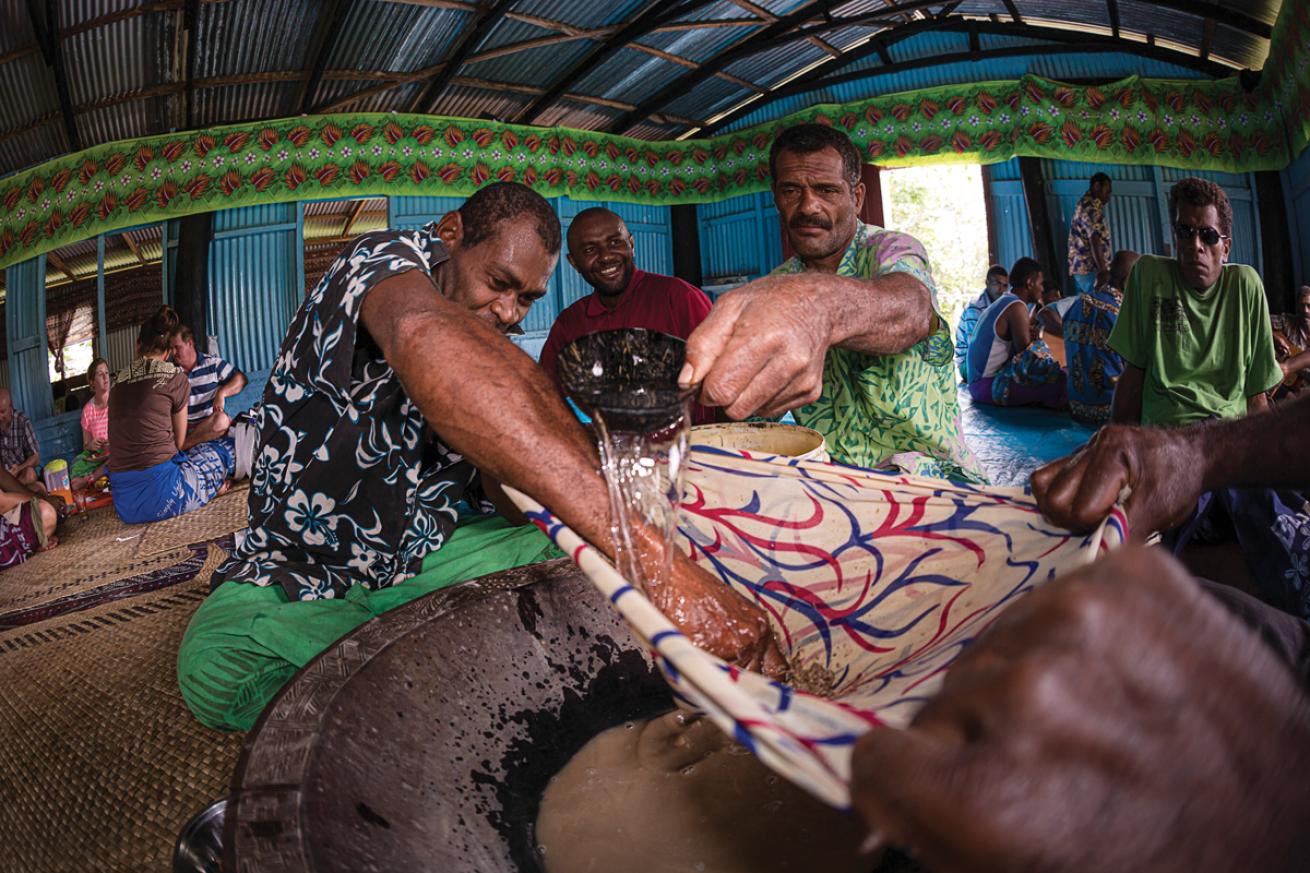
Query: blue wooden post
x=102, y=333
x=29, y=365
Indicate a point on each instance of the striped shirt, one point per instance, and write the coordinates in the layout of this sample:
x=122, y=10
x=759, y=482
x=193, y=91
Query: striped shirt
x=206, y=377
x=95, y=419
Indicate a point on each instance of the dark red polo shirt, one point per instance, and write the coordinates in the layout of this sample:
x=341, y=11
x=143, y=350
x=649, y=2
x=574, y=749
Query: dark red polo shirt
x=652, y=301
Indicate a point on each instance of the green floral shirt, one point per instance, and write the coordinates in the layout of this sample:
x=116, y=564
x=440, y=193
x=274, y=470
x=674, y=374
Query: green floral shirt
x=879, y=410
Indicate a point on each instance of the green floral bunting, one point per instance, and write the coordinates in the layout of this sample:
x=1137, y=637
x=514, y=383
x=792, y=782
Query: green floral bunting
x=1210, y=125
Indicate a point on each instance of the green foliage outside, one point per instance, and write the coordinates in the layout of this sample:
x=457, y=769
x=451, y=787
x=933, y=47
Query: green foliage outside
x=942, y=206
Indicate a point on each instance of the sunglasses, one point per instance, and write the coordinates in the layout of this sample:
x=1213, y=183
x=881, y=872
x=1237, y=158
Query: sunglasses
x=1208, y=235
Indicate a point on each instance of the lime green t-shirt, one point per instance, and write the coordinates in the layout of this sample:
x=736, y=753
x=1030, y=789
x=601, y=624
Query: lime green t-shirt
x=1204, y=353
x=892, y=409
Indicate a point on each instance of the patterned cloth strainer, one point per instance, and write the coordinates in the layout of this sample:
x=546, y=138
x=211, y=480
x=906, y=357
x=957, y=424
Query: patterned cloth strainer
x=874, y=580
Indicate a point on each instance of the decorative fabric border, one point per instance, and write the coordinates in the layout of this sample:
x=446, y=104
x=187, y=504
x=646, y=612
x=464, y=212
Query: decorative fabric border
x=1203, y=125
x=1285, y=81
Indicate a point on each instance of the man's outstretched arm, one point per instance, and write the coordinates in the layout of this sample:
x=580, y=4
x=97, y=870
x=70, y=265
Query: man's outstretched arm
x=1167, y=469
x=496, y=407
x=761, y=350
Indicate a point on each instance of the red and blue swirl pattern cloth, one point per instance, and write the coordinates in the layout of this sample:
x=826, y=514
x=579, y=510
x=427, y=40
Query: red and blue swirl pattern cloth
x=876, y=580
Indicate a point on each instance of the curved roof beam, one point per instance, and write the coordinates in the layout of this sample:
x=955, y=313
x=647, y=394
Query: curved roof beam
x=651, y=17
x=784, y=31
x=468, y=43
x=1066, y=42
x=332, y=15
x=765, y=41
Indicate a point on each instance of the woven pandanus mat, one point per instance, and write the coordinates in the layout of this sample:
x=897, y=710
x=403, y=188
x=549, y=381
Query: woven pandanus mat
x=95, y=550
x=220, y=517
x=100, y=762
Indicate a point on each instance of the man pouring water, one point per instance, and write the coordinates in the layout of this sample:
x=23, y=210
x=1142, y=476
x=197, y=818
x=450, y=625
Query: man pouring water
x=396, y=395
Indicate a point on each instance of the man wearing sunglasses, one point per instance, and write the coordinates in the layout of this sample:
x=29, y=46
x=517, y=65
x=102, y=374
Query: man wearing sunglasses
x=1196, y=341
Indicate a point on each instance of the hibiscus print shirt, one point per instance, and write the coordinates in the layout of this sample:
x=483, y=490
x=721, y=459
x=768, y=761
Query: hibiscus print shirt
x=878, y=410
x=1088, y=219
x=348, y=486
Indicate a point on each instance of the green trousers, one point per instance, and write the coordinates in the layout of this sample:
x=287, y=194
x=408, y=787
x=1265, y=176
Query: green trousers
x=246, y=641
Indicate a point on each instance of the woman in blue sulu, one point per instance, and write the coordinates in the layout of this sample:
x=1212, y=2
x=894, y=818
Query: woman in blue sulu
x=150, y=477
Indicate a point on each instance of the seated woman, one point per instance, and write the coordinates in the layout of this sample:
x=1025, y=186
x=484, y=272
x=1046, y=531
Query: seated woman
x=151, y=478
x=90, y=464
x=1009, y=362
x=27, y=521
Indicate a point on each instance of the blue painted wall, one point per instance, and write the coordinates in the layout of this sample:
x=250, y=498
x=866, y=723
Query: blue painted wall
x=740, y=236
x=1296, y=189
x=1138, y=211
x=256, y=271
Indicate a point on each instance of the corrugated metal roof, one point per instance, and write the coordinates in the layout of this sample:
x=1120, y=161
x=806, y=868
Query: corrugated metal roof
x=569, y=114
x=467, y=101
x=1062, y=67
x=251, y=36
x=252, y=58
x=698, y=45
x=394, y=37
x=631, y=77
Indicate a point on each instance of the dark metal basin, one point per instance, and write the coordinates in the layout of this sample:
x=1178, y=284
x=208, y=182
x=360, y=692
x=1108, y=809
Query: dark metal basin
x=423, y=740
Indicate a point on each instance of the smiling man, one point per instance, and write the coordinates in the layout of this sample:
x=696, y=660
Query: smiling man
x=601, y=250
x=396, y=395
x=847, y=334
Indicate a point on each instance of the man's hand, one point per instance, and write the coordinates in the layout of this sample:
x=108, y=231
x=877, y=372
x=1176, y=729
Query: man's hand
x=1163, y=469
x=718, y=619
x=761, y=350
x=1118, y=719
x=1102, y=277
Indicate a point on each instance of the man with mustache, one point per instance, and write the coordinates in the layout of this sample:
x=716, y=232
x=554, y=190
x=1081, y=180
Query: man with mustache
x=847, y=334
x=601, y=250
x=1196, y=341
x=395, y=396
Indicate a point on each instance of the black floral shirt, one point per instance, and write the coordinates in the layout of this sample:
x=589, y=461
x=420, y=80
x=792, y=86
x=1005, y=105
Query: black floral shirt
x=348, y=485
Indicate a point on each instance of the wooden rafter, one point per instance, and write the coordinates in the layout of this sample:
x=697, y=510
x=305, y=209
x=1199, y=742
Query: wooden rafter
x=128, y=241
x=1063, y=42
x=392, y=82
x=1014, y=12
x=1234, y=18
x=191, y=23
x=774, y=36
x=353, y=216
x=469, y=40
x=1112, y=10
x=539, y=42
x=1207, y=38
x=331, y=16
x=652, y=15
x=45, y=24
x=785, y=30
x=58, y=263
x=768, y=17
x=443, y=4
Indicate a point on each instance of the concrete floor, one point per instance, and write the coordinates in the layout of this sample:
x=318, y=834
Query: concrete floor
x=1012, y=443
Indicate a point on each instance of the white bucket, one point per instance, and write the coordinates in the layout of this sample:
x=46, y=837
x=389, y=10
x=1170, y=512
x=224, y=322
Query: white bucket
x=763, y=438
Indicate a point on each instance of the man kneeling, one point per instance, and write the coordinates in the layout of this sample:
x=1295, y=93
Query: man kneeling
x=395, y=395
x=1009, y=363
